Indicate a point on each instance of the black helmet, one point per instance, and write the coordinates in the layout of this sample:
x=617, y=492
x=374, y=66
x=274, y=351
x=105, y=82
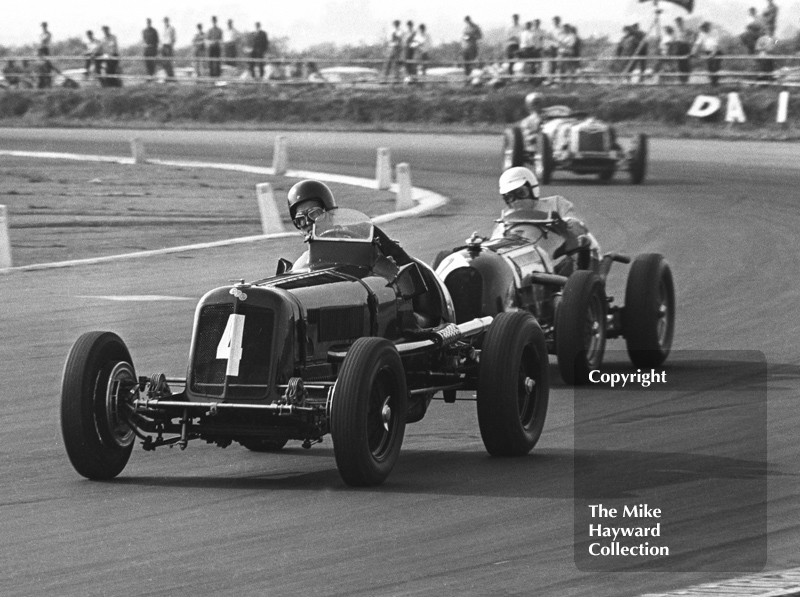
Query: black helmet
x=306, y=190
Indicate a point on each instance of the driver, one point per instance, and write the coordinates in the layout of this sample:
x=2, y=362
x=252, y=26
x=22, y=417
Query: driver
x=309, y=199
x=532, y=124
x=520, y=190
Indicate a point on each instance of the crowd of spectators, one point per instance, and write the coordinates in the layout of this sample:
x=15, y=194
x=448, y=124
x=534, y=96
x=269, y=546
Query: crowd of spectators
x=536, y=52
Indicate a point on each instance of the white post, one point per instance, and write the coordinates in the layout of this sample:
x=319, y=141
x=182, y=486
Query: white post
x=783, y=107
x=403, y=199
x=137, y=149
x=271, y=222
x=383, y=169
x=279, y=156
x=5, y=240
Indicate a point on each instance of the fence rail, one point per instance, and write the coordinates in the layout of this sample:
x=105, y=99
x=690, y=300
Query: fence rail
x=106, y=71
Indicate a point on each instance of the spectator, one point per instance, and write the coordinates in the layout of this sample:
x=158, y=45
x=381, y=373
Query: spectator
x=44, y=41
x=626, y=47
x=469, y=44
x=551, y=45
x=568, y=49
x=230, y=43
x=409, y=50
x=640, y=49
x=537, y=38
x=752, y=31
x=168, y=48
x=513, y=42
x=394, y=51
x=683, y=48
x=423, y=48
x=770, y=17
x=765, y=64
x=667, y=48
x=199, y=50
x=707, y=46
x=260, y=47
x=44, y=71
x=214, y=37
x=110, y=51
x=11, y=73
x=92, y=53
x=150, y=39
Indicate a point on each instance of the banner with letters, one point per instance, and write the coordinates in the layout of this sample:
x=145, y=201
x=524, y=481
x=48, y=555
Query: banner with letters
x=687, y=4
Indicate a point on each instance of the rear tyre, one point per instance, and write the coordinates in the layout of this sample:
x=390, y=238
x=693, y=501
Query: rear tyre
x=98, y=387
x=544, y=154
x=263, y=445
x=638, y=164
x=581, y=327
x=368, y=413
x=648, y=321
x=513, y=385
x=513, y=148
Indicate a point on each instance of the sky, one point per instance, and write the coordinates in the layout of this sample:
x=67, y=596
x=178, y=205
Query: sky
x=307, y=22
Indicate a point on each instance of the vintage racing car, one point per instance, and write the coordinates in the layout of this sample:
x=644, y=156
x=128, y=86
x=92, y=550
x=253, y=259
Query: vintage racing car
x=352, y=345
x=575, y=142
x=513, y=271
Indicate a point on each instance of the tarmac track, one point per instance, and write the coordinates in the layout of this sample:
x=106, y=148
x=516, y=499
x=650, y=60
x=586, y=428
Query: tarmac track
x=450, y=520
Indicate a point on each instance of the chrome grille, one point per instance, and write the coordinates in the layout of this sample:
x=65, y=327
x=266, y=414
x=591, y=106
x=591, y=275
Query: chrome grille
x=209, y=373
x=592, y=141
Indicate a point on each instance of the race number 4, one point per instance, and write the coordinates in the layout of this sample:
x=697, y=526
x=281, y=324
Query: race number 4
x=230, y=345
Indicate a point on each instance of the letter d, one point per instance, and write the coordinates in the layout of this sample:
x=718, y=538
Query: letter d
x=704, y=106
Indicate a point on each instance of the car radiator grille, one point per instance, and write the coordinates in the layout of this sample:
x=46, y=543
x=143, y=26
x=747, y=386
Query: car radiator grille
x=592, y=141
x=208, y=373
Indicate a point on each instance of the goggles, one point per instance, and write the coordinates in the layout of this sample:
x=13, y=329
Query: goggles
x=305, y=218
x=523, y=192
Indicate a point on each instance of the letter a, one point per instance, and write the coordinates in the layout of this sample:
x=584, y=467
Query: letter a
x=735, y=112
x=704, y=106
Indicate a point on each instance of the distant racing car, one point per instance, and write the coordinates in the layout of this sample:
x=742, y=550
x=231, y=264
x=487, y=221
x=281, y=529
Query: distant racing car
x=573, y=141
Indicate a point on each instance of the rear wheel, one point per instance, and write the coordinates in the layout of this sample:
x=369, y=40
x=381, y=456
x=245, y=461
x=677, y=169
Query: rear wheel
x=368, y=413
x=543, y=164
x=513, y=148
x=649, y=312
x=97, y=390
x=638, y=159
x=513, y=385
x=581, y=327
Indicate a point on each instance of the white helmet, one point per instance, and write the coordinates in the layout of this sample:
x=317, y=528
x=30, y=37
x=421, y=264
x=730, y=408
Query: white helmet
x=514, y=178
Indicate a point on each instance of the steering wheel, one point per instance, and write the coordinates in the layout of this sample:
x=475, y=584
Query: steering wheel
x=337, y=232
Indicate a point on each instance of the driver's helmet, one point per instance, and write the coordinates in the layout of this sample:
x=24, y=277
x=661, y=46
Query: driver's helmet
x=310, y=190
x=533, y=101
x=518, y=183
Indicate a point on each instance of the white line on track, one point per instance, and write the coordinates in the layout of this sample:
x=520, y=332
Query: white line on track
x=426, y=201
x=139, y=298
x=781, y=583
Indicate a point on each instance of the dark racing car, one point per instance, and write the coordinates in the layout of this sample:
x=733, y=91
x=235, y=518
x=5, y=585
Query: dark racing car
x=513, y=272
x=352, y=346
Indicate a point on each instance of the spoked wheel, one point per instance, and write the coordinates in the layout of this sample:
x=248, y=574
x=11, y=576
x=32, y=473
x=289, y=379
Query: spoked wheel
x=581, y=327
x=513, y=385
x=368, y=413
x=98, y=388
x=649, y=313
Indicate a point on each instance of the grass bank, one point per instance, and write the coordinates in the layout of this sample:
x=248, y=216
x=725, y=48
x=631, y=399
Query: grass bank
x=661, y=110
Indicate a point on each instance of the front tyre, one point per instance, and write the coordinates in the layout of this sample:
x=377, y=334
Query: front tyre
x=638, y=159
x=543, y=168
x=368, y=413
x=98, y=387
x=513, y=385
x=581, y=327
x=648, y=321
